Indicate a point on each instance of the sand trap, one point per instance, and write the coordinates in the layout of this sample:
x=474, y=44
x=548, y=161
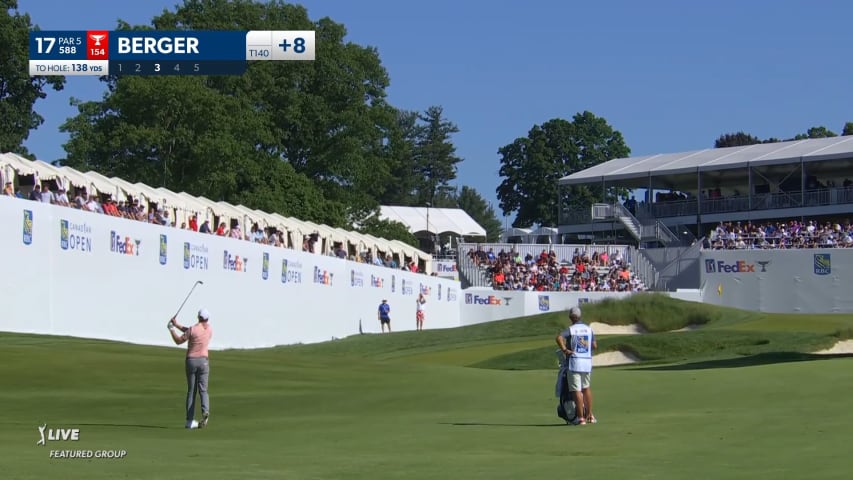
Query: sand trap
x=842, y=347
x=605, y=329
x=688, y=328
x=608, y=359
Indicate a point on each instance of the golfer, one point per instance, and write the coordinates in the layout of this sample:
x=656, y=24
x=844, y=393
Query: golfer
x=384, y=315
x=577, y=343
x=421, y=311
x=197, y=366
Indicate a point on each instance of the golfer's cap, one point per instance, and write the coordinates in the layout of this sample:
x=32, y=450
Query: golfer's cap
x=204, y=314
x=575, y=312
x=384, y=300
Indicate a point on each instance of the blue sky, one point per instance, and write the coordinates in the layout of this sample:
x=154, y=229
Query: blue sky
x=670, y=75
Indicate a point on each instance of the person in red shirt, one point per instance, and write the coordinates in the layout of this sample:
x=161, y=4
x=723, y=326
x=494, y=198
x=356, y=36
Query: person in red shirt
x=194, y=223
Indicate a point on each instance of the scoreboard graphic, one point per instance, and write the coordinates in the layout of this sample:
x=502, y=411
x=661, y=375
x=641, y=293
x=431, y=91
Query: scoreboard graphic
x=156, y=52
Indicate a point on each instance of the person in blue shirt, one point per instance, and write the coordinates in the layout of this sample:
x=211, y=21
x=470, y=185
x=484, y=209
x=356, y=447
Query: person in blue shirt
x=385, y=315
x=578, y=343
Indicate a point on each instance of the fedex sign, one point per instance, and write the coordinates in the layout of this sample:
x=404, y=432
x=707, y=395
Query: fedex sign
x=738, y=266
x=471, y=298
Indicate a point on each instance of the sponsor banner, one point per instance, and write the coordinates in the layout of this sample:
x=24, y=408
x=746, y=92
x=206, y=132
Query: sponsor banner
x=445, y=269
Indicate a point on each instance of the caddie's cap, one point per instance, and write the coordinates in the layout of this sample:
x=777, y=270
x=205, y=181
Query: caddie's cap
x=204, y=314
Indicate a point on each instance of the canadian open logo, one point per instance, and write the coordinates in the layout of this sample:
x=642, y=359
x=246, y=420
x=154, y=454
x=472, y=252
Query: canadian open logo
x=356, y=278
x=291, y=271
x=50, y=435
x=75, y=236
x=195, y=256
x=451, y=294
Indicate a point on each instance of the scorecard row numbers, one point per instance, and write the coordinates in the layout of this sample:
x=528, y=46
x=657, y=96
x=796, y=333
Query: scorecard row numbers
x=162, y=68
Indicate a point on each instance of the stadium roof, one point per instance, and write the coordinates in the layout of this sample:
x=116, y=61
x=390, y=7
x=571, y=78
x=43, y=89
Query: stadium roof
x=711, y=159
x=441, y=220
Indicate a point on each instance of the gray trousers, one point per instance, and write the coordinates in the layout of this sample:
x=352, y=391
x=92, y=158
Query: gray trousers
x=198, y=370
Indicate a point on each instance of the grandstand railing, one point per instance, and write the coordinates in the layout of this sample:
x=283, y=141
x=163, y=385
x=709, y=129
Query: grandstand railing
x=741, y=203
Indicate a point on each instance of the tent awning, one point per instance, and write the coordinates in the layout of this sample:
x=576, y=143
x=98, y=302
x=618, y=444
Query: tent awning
x=434, y=220
x=810, y=150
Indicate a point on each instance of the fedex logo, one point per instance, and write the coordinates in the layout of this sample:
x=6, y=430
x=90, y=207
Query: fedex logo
x=739, y=266
x=489, y=300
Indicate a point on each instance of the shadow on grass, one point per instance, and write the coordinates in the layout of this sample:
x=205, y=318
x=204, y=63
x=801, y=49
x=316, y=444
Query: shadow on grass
x=768, y=358
x=475, y=424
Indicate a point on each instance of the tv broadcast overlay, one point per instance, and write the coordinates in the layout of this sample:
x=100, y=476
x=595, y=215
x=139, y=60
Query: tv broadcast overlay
x=154, y=52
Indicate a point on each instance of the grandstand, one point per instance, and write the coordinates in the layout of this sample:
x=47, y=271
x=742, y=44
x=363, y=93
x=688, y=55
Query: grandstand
x=795, y=194
x=118, y=197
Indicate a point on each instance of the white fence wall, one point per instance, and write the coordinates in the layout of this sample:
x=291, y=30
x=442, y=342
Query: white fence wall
x=68, y=272
x=480, y=305
x=788, y=281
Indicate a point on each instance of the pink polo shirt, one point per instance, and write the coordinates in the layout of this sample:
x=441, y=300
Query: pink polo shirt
x=198, y=337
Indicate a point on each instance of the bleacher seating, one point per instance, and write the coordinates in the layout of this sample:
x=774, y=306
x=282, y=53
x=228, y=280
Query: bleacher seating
x=780, y=235
x=555, y=268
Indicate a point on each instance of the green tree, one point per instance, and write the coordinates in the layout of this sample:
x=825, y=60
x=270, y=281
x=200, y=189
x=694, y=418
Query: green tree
x=470, y=200
x=402, y=138
x=434, y=155
x=237, y=137
x=816, y=132
x=18, y=91
x=848, y=129
x=738, y=139
x=388, y=229
x=181, y=134
x=531, y=167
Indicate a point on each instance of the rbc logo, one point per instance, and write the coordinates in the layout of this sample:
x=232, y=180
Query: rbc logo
x=544, y=303
x=28, y=227
x=822, y=264
x=163, y=249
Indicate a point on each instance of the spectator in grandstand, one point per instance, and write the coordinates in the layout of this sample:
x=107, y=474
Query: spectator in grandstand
x=220, y=230
x=61, y=197
x=194, y=223
x=36, y=193
x=9, y=190
x=205, y=227
x=46, y=194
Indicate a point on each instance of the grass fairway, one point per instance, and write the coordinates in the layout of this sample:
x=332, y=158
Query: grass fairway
x=469, y=403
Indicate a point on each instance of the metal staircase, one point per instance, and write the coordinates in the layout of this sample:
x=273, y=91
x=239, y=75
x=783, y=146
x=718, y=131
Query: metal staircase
x=647, y=231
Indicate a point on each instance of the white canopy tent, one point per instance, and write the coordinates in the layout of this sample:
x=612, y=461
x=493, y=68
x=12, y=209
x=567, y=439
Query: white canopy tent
x=434, y=220
x=184, y=205
x=516, y=235
x=13, y=165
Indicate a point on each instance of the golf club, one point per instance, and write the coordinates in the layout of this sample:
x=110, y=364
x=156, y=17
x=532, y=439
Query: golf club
x=197, y=283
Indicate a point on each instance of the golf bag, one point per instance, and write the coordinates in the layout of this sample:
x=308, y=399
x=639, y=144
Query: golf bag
x=566, y=408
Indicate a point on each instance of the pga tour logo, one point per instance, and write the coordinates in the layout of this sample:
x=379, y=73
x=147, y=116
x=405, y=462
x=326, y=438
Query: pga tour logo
x=57, y=435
